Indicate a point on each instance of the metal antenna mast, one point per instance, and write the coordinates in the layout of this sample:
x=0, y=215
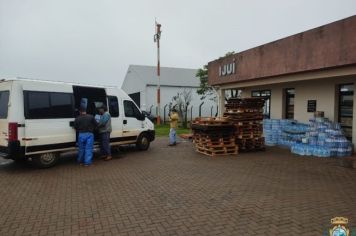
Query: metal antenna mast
x=157, y=37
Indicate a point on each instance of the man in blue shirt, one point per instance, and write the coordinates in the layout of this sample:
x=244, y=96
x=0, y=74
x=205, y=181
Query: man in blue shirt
x=104, y=127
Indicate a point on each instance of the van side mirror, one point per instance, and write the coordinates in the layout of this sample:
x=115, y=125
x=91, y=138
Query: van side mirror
x=71, y=123
x=141, y=116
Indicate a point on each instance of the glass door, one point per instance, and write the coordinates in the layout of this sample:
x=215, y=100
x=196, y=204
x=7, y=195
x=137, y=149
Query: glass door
x=289, y=95
x=346, y=100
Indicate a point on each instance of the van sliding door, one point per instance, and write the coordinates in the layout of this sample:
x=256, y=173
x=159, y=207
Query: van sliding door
x=96, y=98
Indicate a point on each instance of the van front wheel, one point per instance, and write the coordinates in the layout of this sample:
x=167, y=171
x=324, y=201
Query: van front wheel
x=46, y=160
x=143, y=142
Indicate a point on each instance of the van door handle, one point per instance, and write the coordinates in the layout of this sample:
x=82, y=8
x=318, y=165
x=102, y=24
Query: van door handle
x=29, y=139
x=125, y=122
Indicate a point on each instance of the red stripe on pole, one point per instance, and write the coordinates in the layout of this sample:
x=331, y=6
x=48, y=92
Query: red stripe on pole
x=158, y=96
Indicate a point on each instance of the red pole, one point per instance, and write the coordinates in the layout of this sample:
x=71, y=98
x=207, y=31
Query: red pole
x=157, y=38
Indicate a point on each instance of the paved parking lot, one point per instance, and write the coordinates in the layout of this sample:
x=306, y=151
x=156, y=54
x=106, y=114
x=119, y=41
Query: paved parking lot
x=175, y=191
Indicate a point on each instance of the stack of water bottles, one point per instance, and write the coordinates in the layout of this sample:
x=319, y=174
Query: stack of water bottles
x=323, y=139
x=271, y=131
x=292, y=132
x=283, y=132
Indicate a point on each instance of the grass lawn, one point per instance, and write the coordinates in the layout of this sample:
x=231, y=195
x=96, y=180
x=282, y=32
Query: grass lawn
x=163, y=130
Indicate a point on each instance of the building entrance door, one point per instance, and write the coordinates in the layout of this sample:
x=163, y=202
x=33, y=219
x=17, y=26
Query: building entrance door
x=289, y=95
x=346, y=100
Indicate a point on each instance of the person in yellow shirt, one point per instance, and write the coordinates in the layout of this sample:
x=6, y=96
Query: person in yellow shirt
x=173, y=118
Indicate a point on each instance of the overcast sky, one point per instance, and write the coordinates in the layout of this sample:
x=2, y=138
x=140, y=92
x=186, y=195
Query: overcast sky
x=94, y=41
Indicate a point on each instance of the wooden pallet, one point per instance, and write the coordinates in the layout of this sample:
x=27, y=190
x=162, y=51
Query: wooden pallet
x=232, y=116
x=244, y=136
x=211, y=121
x=186, y=136
x=209, y=143
x=247, y=116
x=214, y=152
x=214, y=136
x=246, y=123
x=216, y=146
x=250, y=125
x=251, y=144
x=236, y=119
x=246, y=129
x=243, y=110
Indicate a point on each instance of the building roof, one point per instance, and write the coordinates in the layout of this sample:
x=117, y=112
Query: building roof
x=180, y=77
x=325, y=47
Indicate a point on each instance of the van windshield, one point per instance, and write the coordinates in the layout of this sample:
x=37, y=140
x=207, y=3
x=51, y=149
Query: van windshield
x=4, y=101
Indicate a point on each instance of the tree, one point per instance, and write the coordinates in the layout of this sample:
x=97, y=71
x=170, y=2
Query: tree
x=205, y=90
x=181, y=102
x=228, y=54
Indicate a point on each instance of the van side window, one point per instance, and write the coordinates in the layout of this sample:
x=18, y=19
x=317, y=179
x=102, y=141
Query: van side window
x=130, y=109
x=113, y=106
x=61, y=105
x=4, y=101
x=37, y=105
x=48, y=105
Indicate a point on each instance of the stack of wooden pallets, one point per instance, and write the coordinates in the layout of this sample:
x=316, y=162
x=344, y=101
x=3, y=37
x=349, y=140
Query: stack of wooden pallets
x=247, y=115
x=214, y=136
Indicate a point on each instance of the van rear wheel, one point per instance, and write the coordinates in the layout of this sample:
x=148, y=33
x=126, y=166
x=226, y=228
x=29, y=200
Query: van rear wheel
x=143, y=142
x=46, y=160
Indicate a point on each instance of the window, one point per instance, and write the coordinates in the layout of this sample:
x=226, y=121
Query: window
x=46, y=105
x=256, y=93
x=37, y=105
x=113, y=106
x=266, y=95
x=4, y=101
x=136, y=97
x=61, y=105
x=130, y=109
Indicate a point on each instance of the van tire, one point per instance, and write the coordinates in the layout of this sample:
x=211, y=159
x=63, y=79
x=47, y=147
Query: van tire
x=143, y=142
x=46, y=160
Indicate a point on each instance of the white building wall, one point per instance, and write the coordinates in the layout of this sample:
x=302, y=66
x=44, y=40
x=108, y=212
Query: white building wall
x=132, y=84
x=167, y=94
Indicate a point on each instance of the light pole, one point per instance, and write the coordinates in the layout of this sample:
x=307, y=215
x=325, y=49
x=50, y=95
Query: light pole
x=157, y=37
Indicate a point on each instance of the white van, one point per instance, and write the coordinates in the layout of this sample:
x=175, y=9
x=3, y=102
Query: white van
x=36, y=118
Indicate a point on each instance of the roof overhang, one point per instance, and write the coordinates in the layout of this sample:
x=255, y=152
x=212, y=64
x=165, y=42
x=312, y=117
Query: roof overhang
x=323, y=48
